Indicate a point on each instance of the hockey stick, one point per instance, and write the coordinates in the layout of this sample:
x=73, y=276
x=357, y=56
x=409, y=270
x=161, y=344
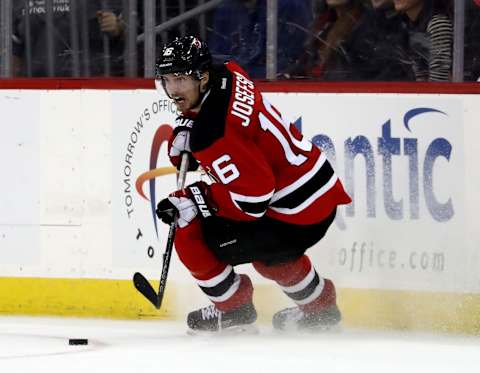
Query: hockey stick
x=139, y=280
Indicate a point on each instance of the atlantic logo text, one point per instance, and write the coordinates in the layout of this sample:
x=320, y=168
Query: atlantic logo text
x=386, y=149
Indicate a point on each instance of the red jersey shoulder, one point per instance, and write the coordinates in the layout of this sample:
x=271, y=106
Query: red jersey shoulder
x=230, y=103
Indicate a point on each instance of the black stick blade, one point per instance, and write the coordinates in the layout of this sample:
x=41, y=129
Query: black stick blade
x=144, y=287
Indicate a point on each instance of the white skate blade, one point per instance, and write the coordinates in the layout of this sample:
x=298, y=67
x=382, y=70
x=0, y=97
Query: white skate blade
x=337, y=328
x=249, y=329
x=321, y=329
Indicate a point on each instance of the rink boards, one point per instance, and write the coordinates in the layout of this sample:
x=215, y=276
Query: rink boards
x=84, y=168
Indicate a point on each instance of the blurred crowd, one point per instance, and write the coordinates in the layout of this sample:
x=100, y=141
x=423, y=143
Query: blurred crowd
x=327, y=40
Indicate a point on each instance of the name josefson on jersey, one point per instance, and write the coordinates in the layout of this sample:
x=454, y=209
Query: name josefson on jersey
x=244, y=99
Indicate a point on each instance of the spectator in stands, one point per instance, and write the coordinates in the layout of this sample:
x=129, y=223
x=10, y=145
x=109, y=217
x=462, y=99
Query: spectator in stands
x=430, y=38
x=375, y=50
x=100, y=22
x=325, y=53
x=239, y=33
x=472, y=41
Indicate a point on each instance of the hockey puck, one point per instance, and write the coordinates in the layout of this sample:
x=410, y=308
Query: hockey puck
x=77, y=342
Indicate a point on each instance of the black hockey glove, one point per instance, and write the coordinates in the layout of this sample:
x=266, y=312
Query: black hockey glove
x=177, y=204
x=186, y=204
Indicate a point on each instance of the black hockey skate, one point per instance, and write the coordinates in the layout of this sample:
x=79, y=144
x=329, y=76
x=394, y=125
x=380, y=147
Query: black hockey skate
x=294, y=319
x=209, y=319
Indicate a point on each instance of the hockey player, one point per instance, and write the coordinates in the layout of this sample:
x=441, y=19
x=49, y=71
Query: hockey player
x=274, y=194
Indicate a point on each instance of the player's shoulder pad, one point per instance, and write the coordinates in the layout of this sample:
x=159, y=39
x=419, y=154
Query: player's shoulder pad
x=211, y=120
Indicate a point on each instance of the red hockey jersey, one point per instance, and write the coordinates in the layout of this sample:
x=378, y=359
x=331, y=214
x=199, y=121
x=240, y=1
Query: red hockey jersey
x=262, y=164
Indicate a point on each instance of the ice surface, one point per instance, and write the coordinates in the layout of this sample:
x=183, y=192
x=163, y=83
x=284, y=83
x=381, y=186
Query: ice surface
x=40, y=345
